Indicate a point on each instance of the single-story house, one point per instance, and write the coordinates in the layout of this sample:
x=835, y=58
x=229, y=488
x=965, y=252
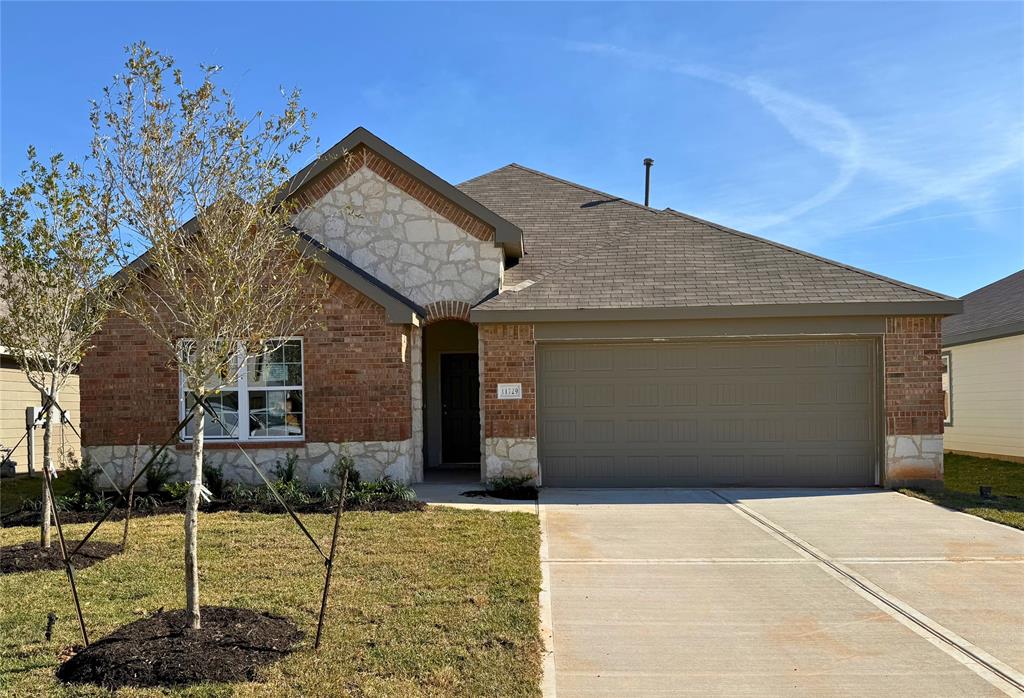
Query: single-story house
x=983, y=372
x=518, y=324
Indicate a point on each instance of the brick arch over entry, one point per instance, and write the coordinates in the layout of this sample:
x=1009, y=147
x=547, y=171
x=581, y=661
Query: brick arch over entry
x=447, y=310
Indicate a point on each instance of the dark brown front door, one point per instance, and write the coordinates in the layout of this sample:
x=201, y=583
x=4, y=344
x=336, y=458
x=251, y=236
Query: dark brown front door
x=460, y=409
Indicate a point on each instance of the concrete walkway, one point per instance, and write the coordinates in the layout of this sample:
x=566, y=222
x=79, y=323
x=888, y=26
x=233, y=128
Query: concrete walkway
x=450, y=494
x=779, y=592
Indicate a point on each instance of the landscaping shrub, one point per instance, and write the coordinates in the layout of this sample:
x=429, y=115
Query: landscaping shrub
x=383, y=491
x=344, y=464
x=521, y=487
x=285, y=472
x=159, y=474
x=87, y=478
x=175, y=491
x=213, y=477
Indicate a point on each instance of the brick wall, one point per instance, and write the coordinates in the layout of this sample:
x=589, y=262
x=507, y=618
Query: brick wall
x=128, y=388
x=357, y=377
x=913, y=375
x=357, y=383
x=508, y=353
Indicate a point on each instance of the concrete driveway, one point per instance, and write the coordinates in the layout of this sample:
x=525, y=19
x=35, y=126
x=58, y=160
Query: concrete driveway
x=779, y=592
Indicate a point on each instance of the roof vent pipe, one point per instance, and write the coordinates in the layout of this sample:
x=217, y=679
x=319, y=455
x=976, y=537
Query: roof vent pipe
x=647, y=181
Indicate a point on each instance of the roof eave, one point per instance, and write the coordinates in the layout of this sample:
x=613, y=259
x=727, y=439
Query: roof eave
x=936, y=307
x=986, y=334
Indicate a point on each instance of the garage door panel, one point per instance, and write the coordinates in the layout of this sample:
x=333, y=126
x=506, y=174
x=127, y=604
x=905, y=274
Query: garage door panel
x=692, y=414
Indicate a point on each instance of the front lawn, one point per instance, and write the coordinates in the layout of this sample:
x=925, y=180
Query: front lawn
x=15, y=490
x=964, y=474
x=434, y=603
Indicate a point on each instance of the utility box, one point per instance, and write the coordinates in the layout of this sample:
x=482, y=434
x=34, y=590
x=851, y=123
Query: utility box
x=32, y=416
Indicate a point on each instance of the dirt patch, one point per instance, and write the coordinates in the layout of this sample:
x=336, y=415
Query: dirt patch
x=29, y=557
x=161, y=650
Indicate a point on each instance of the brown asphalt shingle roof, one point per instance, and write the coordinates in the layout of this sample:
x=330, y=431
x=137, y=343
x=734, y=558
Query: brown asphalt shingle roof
x=991, y=311
x=588, y=250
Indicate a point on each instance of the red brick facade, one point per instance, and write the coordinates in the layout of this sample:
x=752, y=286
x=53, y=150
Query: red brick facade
x=129, y=389
x=358, y=372
x=913, y=375
x=361, y=155
x=508, y=353
x=356, y=366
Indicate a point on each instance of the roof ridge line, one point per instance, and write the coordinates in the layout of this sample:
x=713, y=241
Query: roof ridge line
x=582, y=187
x=489, y=172
x=787, y=248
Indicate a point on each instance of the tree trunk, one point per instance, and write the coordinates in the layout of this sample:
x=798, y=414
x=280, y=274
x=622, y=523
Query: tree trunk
x=47, y=513
x=192, y=521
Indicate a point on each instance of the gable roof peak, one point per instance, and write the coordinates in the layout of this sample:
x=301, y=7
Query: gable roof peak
x=507, y=235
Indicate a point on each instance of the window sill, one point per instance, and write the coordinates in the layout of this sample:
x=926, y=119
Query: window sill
x=221, y=445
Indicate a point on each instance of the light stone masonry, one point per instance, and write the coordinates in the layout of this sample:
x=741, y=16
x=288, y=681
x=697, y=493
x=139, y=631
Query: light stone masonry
x=401, y=242
x=373, y=459
x=510, y=457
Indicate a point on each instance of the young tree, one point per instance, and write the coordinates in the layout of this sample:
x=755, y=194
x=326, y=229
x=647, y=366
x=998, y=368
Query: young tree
x=203, y=189
x=55, y=255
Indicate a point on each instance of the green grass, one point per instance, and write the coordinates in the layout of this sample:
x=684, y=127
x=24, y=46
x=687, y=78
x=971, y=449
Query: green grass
x=15, y=490
x=964, y=474
x=435, y=603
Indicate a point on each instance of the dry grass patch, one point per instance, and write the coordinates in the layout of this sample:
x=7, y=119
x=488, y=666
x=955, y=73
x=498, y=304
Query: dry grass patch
x=435, y=603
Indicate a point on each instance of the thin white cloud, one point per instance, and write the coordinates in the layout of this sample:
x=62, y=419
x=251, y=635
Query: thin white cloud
x=888, y=173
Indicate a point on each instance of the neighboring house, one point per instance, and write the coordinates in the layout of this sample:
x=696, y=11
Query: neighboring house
x=983, y=372
x=524, y=325
x=17, y=394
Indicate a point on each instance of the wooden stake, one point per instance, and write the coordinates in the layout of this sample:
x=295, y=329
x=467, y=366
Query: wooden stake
x=131, y=494
x=330, y=562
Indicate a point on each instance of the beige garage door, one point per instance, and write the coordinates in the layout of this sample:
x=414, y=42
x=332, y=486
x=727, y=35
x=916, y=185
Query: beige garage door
x=695, y=414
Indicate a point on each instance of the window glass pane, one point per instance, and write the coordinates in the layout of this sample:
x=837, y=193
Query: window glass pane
x=225, y=407
x=275, y=413
x=282, y=366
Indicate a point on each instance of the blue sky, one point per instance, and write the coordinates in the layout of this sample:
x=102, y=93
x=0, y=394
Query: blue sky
x=888, y=136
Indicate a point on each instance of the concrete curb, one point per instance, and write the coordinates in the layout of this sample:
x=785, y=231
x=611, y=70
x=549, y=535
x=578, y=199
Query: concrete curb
x=548, y=689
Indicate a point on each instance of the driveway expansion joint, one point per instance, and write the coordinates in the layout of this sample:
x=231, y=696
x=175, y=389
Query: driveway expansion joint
x=995, y=672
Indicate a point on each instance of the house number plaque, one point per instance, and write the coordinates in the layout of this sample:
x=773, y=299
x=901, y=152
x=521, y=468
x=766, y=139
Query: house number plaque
x=510, y=391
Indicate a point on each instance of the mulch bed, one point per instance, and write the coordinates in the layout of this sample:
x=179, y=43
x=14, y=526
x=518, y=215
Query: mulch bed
x=29, y=557
x=31, y=518
x=161, y=650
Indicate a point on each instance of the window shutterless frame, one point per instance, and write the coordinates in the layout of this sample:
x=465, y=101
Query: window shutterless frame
x=242, y=388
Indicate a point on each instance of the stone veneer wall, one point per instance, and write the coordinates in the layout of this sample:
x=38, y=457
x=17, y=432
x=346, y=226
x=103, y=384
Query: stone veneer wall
x=416, y=396
x=373, y=459
x=509, y=427
x=914, y=412
x=403, y=243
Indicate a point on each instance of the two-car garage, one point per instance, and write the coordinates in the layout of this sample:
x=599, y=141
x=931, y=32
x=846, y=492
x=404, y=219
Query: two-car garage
x=696, y=413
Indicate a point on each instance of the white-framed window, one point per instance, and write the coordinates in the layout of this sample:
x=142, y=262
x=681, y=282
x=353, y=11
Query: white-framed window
x=947, y=387
x=266, y=403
